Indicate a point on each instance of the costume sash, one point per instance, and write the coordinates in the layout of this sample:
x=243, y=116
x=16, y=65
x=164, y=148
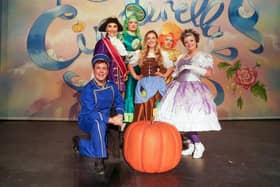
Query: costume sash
x=116, y=56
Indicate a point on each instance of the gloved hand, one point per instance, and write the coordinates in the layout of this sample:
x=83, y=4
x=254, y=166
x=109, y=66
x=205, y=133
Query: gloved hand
x=195, y=69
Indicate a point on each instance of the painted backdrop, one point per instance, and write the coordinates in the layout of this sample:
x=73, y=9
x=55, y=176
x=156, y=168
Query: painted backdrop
x=46, y=49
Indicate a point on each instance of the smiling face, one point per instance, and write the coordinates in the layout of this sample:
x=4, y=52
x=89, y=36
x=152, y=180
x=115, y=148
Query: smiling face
x=132, y=25
x=190, y=43
x=151, y=40
x=168, y=42
x=112, y=29
x=100, y=71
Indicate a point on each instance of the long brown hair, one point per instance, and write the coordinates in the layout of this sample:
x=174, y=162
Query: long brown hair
x=145, y=49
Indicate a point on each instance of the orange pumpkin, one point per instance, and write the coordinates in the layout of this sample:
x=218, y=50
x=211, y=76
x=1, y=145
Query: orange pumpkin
x=152, y=147
x=78, y=27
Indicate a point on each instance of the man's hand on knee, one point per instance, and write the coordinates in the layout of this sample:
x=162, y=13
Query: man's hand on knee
x=116, y=120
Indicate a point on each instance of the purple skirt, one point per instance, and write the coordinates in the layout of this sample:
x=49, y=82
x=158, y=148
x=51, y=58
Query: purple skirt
x=189, y=106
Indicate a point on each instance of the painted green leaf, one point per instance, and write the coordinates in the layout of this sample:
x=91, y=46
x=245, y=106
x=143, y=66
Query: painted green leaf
x=259, y=90
x=223, y=65
x=237, y=64
x=230, y=71
x=239, y=102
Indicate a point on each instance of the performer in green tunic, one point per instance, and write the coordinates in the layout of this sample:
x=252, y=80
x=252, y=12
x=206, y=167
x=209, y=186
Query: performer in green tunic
x=132, y=41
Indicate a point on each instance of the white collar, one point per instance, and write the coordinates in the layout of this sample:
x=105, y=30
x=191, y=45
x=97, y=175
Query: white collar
x=118, y=45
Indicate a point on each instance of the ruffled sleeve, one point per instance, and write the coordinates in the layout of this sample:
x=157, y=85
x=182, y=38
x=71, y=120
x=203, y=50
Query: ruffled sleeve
x=118, y=45
x=176, y=71
x=204, y=60
x=134, y=57
x=167, y=63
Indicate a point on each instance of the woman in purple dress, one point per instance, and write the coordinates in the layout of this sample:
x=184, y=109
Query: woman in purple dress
x=188, y=103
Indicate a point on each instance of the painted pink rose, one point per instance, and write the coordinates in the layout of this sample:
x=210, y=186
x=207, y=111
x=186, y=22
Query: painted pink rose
x=245, y=77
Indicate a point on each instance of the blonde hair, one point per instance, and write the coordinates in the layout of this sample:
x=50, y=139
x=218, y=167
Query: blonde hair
x=145, y=49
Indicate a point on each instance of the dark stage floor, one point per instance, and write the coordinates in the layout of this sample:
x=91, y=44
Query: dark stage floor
x=38, y=154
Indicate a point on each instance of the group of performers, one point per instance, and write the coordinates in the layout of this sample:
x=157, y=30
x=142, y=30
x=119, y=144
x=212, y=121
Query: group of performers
x=135, y=76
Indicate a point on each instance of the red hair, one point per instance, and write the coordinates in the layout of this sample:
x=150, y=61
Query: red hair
x=163, y=36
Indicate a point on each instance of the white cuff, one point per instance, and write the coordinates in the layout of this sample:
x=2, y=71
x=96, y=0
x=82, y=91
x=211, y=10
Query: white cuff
x=174, y=74
x=195, y=69
x=184, y=67
x=198, y=70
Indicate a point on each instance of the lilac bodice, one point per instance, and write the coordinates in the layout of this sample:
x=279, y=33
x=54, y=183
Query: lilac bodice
x=185, y=74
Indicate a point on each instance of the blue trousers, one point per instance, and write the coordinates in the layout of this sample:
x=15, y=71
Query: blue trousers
x=95, y=146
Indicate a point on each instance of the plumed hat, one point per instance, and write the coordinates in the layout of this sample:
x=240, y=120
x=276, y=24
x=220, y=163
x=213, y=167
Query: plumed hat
x=105, y=22
x=100, y=57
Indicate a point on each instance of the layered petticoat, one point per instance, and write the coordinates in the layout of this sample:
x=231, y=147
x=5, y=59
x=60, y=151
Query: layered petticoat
x=189, y=106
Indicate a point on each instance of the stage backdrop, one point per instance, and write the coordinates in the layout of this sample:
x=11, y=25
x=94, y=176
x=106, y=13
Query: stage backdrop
x=46, y=49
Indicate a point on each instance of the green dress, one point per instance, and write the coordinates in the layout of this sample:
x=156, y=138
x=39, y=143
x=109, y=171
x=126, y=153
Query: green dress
x=131, y=43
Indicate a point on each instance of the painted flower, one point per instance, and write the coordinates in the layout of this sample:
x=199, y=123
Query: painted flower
x=245, y=77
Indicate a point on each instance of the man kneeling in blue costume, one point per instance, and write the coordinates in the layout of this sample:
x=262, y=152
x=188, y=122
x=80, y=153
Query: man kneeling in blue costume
x=97, y=99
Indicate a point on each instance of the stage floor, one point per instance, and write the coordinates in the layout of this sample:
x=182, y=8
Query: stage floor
x=38, y=153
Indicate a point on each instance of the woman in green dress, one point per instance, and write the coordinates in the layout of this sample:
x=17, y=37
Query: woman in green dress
x=132, y=41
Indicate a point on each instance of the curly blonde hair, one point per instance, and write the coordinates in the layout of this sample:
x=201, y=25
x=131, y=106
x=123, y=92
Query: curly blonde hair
x=145, y=49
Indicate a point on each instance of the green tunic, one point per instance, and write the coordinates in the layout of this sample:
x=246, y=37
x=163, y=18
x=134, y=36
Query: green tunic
x=131, y=43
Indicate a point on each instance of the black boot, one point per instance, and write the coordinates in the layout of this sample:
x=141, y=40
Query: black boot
x=99, y=166
x=185, y=141
x=75, y=146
